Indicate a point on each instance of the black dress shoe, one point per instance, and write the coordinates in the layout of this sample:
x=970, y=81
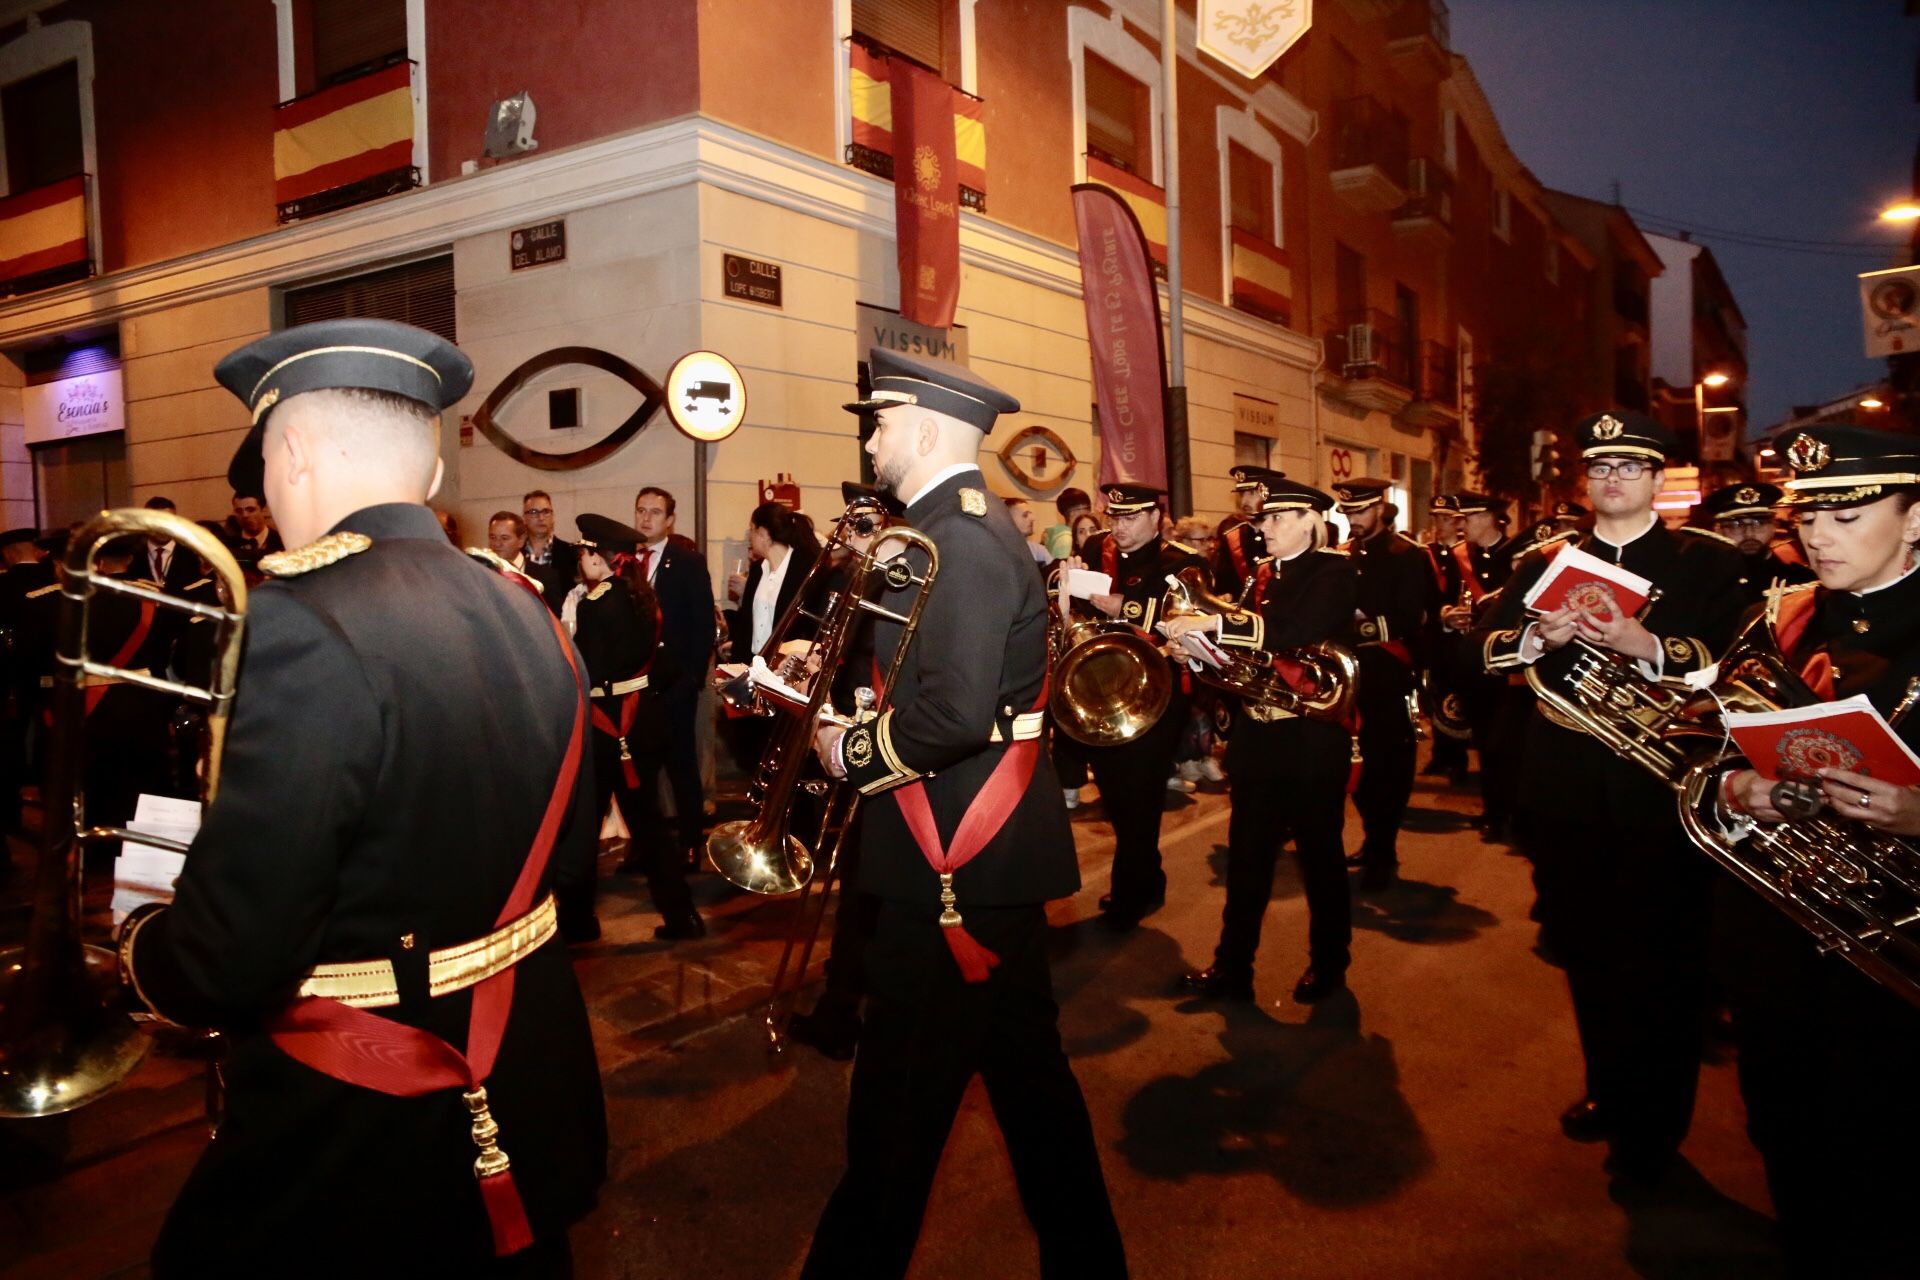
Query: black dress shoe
x=1106, y=902
x=1316, y=985
x=1584, y=1121
x=834, y=1034
x=1218, y=983
x=689, y=926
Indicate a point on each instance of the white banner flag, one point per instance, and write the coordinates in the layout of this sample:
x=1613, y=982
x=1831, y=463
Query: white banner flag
x=1248, y=35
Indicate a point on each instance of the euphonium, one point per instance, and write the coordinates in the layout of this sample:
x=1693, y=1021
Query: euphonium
x=1855, y=889
x=65, y=1038
x=1317, y=681
x=1110, y=681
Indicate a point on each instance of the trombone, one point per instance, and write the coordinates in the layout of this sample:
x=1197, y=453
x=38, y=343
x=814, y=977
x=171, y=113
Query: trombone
x=65, y=1036
x=761, y=854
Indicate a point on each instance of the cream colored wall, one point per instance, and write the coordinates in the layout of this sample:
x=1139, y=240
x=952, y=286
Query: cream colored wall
x=1216, y=372
x=627, y=286
x=16, y=466
x=182, y=426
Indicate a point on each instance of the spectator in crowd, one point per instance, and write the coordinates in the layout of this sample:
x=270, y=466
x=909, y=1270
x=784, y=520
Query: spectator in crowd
x=548, y=560
x=449, y=525
x=1195, y=532
x=1085, y=525
x=1023, y=521
x=172, y=572
x=678, y=572
x=1060, y=539
x=507, y=538
x=250, y=534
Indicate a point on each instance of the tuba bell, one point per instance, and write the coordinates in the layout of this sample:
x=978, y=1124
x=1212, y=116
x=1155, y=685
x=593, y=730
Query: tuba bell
x=1110, y=681
x=65, y=1036
x=1316, y=681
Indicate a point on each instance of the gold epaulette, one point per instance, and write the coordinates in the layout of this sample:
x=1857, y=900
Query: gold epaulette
x=973, y=502
x=1183, y=548
x=37, y=592
x=331, y=549
x=1409, y=539
x=1334, y=551
x=1563, y=536
x=501, y=566
x=599, y=590
x=1715, y=534
x=1780, y=591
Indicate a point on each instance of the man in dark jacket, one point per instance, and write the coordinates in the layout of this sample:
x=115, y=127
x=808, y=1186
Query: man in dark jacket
x=679, y=576
x=367, y=911
x=548, y=559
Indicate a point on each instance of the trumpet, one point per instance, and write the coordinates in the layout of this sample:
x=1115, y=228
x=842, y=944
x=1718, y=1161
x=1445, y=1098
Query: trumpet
x=65, y=1037
x=1316, y=681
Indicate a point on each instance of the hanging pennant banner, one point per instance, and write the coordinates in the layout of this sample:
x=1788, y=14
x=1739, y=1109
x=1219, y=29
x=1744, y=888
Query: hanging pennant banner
x=926, y=194
x=1123, y=334
x=1249, y=35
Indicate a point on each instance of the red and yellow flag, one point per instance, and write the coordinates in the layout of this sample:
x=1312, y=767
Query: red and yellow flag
x=343, y=134
x=871, y=92
x=1262, y=276
x=43, y=229
x=1148, y=202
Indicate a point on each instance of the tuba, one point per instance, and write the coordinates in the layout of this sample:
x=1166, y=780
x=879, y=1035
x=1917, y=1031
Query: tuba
x=65, y=1037
x=1855, y=889
x=1316, y=681
x=1110, y=681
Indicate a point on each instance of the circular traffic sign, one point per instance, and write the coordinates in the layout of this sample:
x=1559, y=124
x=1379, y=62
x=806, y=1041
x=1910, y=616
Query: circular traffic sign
x=706, y=396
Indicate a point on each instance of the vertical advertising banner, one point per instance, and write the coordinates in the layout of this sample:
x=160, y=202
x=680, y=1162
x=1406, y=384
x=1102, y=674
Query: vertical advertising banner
x=926, y=194
x=1123, y=335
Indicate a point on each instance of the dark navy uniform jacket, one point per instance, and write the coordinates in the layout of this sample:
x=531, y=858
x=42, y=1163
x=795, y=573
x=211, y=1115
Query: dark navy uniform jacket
x=978, y=660
x=1141, y=574
x=1307, y=600
x=401, y=719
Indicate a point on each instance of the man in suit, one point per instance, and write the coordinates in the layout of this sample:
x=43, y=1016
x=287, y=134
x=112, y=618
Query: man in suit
x=249, y=533
x=166, y=566
x=957, y=970
x=394, y=996
x=678, y=573
x=548, y=559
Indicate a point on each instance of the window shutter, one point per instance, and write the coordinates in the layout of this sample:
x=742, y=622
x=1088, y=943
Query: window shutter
x=416, y=293
x=350, y=34
x=1115, y=108
x=1250, y=185
x=912, y=27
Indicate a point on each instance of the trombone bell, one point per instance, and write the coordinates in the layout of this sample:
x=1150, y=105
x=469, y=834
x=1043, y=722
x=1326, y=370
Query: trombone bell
x=760, y=860
x=73, y=1043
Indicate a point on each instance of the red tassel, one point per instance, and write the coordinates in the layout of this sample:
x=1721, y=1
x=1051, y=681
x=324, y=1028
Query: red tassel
x=506, y=1215
x=975, y=961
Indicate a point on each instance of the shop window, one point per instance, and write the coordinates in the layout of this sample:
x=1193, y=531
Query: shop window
x=417, y=293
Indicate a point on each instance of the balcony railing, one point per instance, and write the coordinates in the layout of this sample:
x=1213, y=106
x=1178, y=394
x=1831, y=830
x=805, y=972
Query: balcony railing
x=1429, y=193
x=1421, y=19
x=43, y=237
x=346, y=144
x=1365, y=344
x=1439, y=370
x=870, y=94
x=1366, y=133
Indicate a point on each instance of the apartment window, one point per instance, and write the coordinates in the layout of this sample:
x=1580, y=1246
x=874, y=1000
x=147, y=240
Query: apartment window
x=1250, y=193
x=1349, y=282
x=1119, y=118
x=911, y=27
x=417, y=293
x=1502, y=213
x=42, y=121
x=348, y=38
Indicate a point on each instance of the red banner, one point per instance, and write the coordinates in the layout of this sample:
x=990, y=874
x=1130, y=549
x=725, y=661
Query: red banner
x=1123, y=333
x=926, y=194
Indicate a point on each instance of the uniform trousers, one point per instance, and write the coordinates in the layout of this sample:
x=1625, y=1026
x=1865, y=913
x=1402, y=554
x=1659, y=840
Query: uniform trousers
x=1388, y=750
x=1305, y=799
x=650, y=844
x=927, y=1034
x=681, y=704
x=1133, y=787
x=1828, y=1065
x=1627, y=907
x=854, y=914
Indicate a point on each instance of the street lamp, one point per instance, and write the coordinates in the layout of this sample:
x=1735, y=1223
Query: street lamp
x=1905, y=211
x=1873, y=402
x=1716, y=379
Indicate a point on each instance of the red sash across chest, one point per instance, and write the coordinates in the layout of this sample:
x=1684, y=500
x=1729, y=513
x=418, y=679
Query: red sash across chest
x=1790, y=629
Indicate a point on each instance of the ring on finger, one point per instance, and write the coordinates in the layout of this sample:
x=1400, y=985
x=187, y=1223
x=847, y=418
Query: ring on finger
x=1866, y=799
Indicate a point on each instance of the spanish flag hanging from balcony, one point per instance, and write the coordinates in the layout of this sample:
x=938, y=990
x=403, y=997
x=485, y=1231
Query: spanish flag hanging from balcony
x=1148, y=202
x=343, y=135
x=43, y=229
x=871, y=91
x=1262, y=278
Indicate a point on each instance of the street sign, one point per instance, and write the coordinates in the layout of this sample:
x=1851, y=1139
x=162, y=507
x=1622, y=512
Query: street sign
x=1890, y=305
x=751, y=280
x=537, y=245
x=706, y=397
x=1249, y=35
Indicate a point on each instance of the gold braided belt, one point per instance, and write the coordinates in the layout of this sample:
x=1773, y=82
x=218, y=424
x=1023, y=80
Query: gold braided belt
x=370, y=984
x=618, y=689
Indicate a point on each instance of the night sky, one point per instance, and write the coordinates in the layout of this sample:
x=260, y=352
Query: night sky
x=1783, y=118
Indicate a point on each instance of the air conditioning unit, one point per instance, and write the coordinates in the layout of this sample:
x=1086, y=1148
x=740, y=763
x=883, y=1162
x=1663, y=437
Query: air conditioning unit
x=1359, y=350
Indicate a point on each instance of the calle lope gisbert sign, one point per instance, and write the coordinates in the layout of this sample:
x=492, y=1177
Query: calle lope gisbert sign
x=88, y=405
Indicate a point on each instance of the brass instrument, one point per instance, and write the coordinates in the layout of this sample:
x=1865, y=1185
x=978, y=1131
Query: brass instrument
x=1110, y=681
x=761, y=854
x=1324, y=689
x=65, y=1038
x=1855, y=889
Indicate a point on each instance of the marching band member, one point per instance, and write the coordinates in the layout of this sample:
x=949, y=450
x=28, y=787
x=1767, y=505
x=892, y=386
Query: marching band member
x=965, y=838
x=367, y=910
x=1622, y=893
x=1132, y=776
x=615, y=621
x=1483, y=560
x=1828, y=1058
x=1440, y=664
x=1289, y=774
x=1396, y=590
x=1743, y=514
x=1239, y=548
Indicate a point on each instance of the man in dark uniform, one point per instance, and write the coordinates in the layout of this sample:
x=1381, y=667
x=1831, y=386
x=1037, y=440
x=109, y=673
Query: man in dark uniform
x=367, y=911
x=1743, y=514
x=1289, y=774
x=1240, y=548
x=1396, y=595
x=1440, y=679
x=1483, y=561
x=964, y=990
x=1622, y=893
x=1132, y=776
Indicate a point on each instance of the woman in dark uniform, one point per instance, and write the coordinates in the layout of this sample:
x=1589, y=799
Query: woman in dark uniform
x=1829, y=1060
x=616, y=625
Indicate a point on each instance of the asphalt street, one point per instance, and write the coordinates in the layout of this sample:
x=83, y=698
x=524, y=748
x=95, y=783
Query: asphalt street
x=1407, y=1128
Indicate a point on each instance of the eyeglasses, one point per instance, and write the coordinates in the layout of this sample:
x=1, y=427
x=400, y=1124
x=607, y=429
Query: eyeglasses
x=537, y=511
x=1628, y=470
